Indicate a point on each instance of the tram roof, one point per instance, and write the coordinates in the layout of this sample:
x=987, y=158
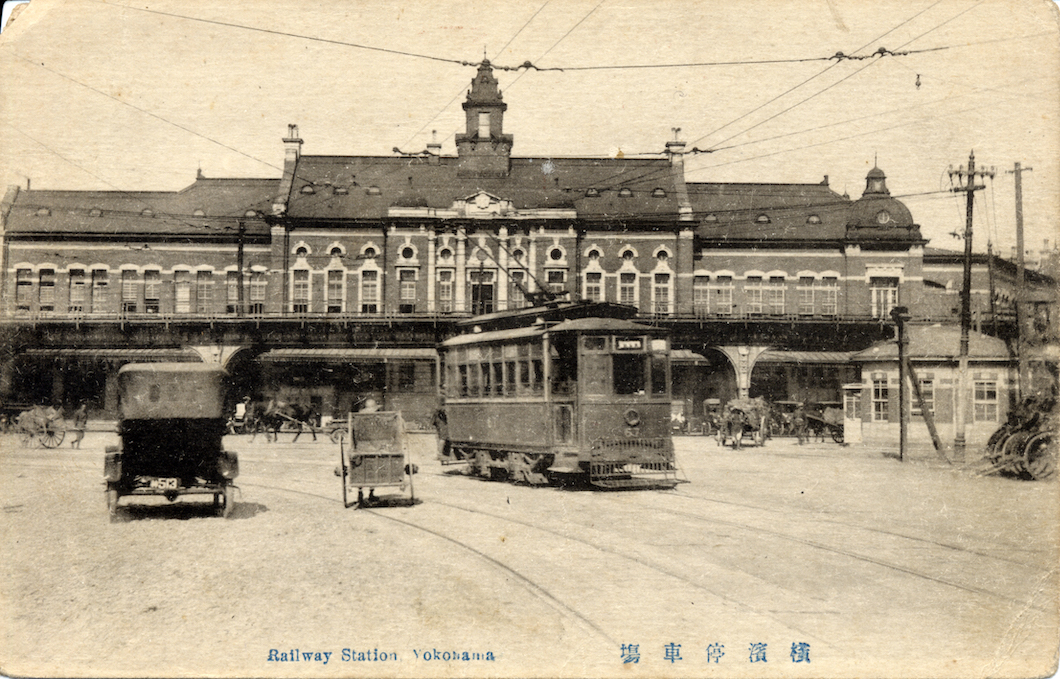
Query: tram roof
x=559, y=311
x=575, y=325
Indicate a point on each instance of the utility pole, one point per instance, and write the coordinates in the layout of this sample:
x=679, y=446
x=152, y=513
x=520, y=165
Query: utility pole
x=970, y=187
x=1021, y=275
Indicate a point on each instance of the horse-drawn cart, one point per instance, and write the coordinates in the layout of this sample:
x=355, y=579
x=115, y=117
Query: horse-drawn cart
x=744, y=416
x=826, y=421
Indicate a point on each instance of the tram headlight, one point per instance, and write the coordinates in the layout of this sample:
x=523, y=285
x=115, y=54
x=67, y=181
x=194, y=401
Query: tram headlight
x=632, y=417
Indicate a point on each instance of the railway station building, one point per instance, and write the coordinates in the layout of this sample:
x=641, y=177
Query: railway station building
x=336, y=280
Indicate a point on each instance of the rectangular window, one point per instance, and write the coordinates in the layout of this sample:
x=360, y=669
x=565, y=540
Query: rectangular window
x=880, y=400
x=484, y=125
x=100, y=279
x=985, y=401
x=77, y=291
x=257, y=292
x=481, y=292
x=927, y=390
x=204, y=292
x=556, y=279
x=628, y=373
x=659, y=383
x=407, y=291
x=721, y=297
x=828, y=296
x=627, y=288
x=775, y=296
x=128, y=292
x=805, y=292
x=594, y=286
x=701, y=295
x=406, y=376
x=369, y=292
x=445, y=290
x=182, y=298
x=661, y=293
x=754, y=296
x=232, y=292
x=300, y=292
x=335, y=278
x=152, y=291
x=517, y=289
x=46, y=294
x=23, y=289
x=884, y=296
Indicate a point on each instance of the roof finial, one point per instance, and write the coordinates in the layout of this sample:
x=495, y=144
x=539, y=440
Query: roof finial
x=676, y=131
x=875, y=159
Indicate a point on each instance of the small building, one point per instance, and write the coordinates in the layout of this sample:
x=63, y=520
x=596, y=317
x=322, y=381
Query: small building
x=933, y=353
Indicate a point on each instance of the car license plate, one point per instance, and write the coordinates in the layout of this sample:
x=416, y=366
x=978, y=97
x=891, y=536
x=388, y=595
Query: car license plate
x=165, y=483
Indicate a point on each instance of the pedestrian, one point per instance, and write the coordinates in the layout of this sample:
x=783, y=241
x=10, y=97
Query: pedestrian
x=737, y=421
x=799, y=420
x=370, y=406
x=80, y=424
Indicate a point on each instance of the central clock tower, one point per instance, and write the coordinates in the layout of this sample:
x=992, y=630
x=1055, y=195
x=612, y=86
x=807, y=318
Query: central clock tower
x=483, y=149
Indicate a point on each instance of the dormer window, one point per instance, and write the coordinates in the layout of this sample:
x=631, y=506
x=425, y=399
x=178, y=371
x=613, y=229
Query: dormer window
x=43, y=212
x=592, y=193
x=250, y=213
x=813, y=219
x=148, y=212
x=95, y=212
x=308, y=188
x=340, y=190
x=658, y=193
x=711, y=218
x=625, y=192
x=883, y=217
x=199, y=212
x=762, y=219
x=373, y=191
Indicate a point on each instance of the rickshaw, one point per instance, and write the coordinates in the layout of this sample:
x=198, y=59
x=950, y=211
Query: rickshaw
x=170, y=431
x=40, y=425
x=373, y=455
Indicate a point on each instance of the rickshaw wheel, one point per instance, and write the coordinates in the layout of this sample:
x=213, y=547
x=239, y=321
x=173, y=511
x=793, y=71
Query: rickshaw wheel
x=337, y=435
x=837, y=435
x=51, y=438
x=1041, y=456
x=229, y=501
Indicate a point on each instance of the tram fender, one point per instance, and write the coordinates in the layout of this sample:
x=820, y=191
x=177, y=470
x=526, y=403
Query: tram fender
x=565, y=463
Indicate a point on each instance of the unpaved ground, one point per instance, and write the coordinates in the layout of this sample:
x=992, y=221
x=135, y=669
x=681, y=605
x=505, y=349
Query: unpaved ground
x=873, y=563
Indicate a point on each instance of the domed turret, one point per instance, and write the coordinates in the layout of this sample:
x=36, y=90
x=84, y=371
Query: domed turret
x=878, y=215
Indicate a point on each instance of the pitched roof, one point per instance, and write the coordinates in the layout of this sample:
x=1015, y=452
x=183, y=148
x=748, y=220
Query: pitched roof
x=779, y=212
x=941, y=342
x=368, y=186
x=221, y=203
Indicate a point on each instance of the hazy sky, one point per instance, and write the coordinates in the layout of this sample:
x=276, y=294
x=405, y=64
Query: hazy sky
x=121, y=96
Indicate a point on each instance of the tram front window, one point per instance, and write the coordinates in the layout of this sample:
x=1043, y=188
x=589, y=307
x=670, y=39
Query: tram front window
x=628, y=376
x=658, y=375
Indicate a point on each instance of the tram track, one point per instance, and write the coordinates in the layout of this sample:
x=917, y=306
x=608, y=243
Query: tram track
x=526, y=582
x=1043, y=573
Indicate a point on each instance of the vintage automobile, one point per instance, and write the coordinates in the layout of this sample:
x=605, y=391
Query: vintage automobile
x=172, y=423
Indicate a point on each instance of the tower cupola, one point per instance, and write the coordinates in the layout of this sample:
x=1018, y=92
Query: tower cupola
x=876, y=183
x=483, y=149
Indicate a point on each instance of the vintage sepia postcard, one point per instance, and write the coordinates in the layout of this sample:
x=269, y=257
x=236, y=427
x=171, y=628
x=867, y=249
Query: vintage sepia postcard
x=558, y=339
